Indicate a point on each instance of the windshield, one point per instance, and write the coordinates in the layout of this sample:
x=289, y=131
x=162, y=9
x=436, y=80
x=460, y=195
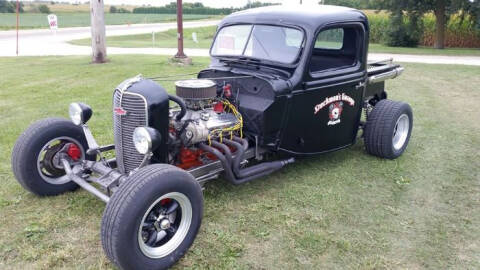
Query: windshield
x=273, y=43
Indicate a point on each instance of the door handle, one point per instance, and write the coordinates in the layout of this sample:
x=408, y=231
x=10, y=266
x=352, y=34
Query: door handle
x=360, y=85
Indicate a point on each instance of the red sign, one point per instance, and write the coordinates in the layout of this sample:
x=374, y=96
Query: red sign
x=52, y=21
x=119, y=111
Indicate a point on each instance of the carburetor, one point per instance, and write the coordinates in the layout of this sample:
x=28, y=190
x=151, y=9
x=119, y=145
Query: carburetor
x=205, y=112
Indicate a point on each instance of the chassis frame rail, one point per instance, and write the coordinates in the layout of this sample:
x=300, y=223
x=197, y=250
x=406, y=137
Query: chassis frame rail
x=109, y=178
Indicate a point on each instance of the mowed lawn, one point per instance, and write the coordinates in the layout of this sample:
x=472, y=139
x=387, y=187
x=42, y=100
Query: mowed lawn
x=164, y=39
x=343, y=210
x=168, y=39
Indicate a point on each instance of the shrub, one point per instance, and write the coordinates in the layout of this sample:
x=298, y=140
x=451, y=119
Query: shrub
x=43, y=9
x=197, y=8
x=123, y=10
x=113, y=9
x=401, y=33
x=459, y=33
x=379, y=23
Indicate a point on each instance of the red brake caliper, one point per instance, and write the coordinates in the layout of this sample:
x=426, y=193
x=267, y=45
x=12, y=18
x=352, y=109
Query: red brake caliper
x=165, y=201
x=74, y=152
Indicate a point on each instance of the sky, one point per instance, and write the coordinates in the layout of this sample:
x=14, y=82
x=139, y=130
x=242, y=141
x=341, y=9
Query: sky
x=210, y=3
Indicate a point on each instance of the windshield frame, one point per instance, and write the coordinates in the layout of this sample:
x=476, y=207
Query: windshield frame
x=292, y=64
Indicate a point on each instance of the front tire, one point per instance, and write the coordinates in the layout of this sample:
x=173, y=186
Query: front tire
x=153, y=218
x=34, y=153
x=388, y=129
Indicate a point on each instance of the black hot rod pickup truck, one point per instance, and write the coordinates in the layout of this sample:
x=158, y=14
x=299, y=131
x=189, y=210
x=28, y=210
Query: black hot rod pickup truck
x=282, y=83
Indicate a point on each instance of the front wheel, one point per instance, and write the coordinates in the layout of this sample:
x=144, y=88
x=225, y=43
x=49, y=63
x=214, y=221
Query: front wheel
x=388, y=129
x=35, y=160
x=153, y=218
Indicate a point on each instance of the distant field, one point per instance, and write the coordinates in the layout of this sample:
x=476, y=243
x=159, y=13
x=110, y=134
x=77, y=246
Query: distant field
x=29, y=7
x=66, y=19
x=81, y=7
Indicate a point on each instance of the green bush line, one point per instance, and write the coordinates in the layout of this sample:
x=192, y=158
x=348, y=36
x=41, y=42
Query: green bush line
x=459, y=33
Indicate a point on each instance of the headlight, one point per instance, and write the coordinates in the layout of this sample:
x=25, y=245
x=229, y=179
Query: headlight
x=80, y=113
x=146, y=139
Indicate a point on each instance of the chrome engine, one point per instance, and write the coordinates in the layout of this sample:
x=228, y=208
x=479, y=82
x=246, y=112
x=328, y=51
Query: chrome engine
x=204, y=114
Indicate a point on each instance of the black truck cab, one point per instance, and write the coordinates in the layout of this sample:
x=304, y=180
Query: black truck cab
x=309, y=74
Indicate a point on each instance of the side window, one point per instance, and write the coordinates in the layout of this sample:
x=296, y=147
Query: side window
x=336, y=48
x=330, y=39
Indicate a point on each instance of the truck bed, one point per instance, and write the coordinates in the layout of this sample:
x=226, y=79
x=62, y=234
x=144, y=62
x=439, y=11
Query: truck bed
x=378, y=72
x=382, y=70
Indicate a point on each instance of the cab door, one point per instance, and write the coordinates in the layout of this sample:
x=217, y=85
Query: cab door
x=325, y=112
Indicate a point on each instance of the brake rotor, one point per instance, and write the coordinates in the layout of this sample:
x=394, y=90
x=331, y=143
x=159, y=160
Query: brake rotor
x=48, y=160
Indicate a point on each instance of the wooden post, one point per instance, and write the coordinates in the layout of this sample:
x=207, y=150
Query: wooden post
x=180, y=53
x=97, y=26
x=180, y=57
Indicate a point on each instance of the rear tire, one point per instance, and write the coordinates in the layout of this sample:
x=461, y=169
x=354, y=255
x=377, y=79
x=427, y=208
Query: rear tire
x=388, y=129
x=136, y=217
x=46, y=180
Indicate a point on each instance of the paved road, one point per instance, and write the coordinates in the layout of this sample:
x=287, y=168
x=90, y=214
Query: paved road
x=43, y=42
x=427, y=59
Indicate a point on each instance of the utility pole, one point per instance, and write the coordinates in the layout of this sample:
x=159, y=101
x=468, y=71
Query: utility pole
x=18, y=10
x=97, y=26
x=180, y=56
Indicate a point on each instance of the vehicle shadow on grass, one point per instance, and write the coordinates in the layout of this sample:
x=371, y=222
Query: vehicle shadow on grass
x=328, y=161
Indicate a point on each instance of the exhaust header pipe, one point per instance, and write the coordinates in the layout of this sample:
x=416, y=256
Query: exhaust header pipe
x=231, y=166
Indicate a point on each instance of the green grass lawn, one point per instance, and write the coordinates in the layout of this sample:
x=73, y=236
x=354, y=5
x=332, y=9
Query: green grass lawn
x=69, y=19
x=165, y=39
x=168, y=39
x=343, y=210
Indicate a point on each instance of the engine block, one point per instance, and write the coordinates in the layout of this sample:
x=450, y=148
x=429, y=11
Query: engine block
x=205, y=113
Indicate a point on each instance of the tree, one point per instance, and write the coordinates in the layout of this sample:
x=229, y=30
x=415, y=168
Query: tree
x=442, y=9
x=440, y=20
x=257, y=4
x=113, y=9
x=44, y=9
x=405, y=25
x=358, y=4
x=10, y=7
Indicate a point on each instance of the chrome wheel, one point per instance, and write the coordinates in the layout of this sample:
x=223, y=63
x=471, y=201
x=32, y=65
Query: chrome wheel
x=48, y=164
x=400, y=132
x=165, y=225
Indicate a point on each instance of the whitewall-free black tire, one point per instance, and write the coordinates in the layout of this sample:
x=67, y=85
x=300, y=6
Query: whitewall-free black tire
x=153, y=218
x=35, y=149
x=388, y=129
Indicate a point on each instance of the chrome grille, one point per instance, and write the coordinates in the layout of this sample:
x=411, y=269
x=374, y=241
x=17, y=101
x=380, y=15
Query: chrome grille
x=134, y=104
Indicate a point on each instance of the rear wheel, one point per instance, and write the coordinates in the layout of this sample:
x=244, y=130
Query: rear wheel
x=153, y=218
x=35, y=162
x=388, y=129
